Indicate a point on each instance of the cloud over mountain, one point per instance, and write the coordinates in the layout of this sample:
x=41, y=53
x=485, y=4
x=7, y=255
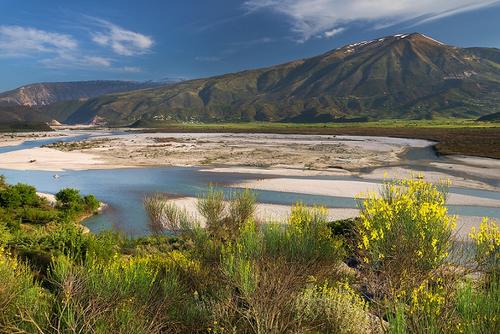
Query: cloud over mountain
x=322, y=17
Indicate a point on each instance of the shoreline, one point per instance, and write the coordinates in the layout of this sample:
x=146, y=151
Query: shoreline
x=79, y=221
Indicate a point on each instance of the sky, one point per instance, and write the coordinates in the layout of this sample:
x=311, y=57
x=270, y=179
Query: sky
x=70, y=40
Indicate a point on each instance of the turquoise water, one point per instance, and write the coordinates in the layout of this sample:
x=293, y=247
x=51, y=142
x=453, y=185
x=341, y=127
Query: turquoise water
x=124, y=189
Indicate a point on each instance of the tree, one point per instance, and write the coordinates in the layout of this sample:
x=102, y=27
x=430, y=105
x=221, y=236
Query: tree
x=69, y=199
x=19, y=195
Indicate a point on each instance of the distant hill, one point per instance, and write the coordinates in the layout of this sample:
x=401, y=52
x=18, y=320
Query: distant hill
x=43, y=94
x=495, y=117
x=408, y=76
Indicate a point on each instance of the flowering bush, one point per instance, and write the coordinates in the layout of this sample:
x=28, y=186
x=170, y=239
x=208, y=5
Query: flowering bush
x=487, y=243
x=407, y=225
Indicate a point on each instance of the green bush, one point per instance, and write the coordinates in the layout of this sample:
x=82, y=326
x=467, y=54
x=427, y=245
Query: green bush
x=19, y=195
x=69, y=199
x=334, y=309
x=91, y=203
x=39, y=215
x=25, y=307
x=478, y=307
x=306, y=238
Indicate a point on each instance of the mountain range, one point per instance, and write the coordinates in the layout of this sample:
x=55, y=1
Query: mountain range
x=408, y=76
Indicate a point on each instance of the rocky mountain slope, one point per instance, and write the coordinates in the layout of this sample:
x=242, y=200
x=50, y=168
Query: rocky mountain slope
x=42, y=94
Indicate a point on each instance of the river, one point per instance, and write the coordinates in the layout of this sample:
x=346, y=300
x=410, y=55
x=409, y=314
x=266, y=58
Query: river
x=124, y=189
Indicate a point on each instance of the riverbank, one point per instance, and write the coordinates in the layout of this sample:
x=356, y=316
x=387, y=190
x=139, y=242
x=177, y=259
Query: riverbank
x=16, y=138
x=51, y=198
x=327, y=153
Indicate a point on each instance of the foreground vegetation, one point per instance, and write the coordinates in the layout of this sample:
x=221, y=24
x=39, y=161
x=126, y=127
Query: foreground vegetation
x=397, y=268
x=454, y=136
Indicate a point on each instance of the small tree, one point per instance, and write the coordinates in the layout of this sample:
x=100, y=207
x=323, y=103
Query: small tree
x=69, y=199
x=19, y=195
x=91, y=203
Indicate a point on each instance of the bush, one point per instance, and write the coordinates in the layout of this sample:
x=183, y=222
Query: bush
x=307, y=238
x=3, y=182
x=166, y=216
x=39, y=215
x=224, y=219
x=91, y=203
x=333, y=309
x=19, y=195
x=212, y=207
x=405, y=233
x=487, y=246
x=69, y=199
x=478, y=308
x=25, y=306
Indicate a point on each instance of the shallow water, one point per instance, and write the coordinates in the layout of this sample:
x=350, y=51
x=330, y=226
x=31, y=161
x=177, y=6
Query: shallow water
x=124, y=189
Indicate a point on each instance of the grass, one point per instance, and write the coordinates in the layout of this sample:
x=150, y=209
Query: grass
x=454, y=136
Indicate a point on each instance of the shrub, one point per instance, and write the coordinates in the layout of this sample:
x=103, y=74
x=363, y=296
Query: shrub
x=139, y=295
x=5, y=234
x=67, y=239
x=405, y=232
x=487, y=246
x=19, y=195
x=306, y=238
x=212, y=207
x=333, y=309
x=3, y=182
x=91, y=203
x=25, y=306
x=224, y=219
x=478, y=308
x=39, y=215
x=166, y=216
x=69, y=199
x=241, y=209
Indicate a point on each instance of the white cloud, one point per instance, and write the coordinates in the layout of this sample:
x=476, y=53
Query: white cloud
x=62, y=51
x=333, y=32
x=121, y=41
x=71, y=60
x=321, y=17
x=26, y=41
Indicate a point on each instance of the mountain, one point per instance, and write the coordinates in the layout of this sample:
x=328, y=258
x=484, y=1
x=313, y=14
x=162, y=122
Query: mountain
x=402, y=76
x=42, y=94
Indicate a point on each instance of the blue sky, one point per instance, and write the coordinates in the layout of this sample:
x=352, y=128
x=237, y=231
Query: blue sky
x=68, y=40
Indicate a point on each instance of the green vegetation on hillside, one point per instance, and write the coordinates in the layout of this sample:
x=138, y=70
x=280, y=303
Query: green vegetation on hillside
x=237, y=275
x=412, y=78
x=24, y=127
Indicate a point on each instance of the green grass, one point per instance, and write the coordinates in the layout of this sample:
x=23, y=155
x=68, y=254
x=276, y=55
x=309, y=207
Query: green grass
x=270, y=126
